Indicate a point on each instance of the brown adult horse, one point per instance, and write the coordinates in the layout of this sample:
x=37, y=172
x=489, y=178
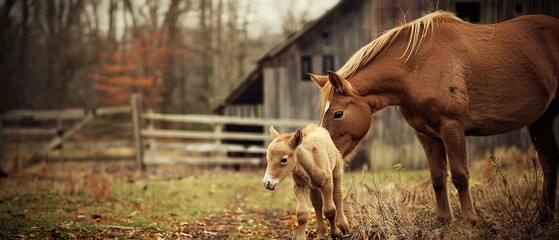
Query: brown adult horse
x=450, y=79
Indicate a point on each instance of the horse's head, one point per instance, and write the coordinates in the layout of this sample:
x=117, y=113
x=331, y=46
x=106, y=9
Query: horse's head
x=279, y=157
x=345, y=114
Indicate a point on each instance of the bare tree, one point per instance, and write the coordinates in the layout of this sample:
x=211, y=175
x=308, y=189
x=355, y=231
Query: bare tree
x=293, y=20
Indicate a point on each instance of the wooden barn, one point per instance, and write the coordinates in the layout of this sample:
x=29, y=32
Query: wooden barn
x=279, y=86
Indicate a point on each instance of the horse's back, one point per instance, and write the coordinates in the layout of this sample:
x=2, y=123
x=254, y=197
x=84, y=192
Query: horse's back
x=529, y=65
x=535, y=21
x=540, y=29
x=519, y=56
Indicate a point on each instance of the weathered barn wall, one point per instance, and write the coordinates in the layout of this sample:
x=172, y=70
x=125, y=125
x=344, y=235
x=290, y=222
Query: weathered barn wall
x=342, y=32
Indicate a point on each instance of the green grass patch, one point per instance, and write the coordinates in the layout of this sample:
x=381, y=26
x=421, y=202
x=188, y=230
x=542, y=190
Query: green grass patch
x=167, y=202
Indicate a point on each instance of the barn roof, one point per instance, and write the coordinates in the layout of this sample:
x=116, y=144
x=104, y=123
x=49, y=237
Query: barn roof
x=256, y=75
x=252, y=82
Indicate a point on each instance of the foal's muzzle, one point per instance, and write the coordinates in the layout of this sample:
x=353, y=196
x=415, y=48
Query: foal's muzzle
x=269, y=182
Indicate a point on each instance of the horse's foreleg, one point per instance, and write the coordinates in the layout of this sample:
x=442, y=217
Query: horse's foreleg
x=301, y=195
x=544, y=142
x=329, y=208
x=338, y=200
x=436, y=155
x=452, y=134
x=316, y=200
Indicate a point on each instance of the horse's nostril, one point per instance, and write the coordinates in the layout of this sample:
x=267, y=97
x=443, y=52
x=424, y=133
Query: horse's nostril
x=267, y=183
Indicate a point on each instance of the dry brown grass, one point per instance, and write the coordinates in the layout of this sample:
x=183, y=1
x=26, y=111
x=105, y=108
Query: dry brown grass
x=98, y=185
x=505, y=198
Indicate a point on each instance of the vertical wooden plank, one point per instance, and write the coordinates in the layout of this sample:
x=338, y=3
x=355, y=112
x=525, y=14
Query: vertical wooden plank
x=59, y=133
x=2, y=142
x=218, y=130
x=152, y=144
x=136, y=103
x=270, y=94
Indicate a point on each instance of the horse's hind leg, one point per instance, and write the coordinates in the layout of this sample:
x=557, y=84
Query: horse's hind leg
x=542, y=137
x=316, y=200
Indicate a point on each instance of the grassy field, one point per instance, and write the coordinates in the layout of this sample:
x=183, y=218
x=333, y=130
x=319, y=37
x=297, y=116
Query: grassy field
x=94, y=200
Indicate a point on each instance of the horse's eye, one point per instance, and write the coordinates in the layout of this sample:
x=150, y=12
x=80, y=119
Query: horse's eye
x=283, y=161
x=338, y=114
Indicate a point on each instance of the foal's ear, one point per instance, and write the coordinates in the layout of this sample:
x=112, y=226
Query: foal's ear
x=273, y=132
x=320, y=80
x=296, y=139
x=338, y=82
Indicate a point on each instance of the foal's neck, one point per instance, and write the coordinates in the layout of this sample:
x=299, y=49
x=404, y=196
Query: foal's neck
x=305, y=168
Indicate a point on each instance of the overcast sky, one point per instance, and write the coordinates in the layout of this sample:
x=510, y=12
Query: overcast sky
x=265, y=17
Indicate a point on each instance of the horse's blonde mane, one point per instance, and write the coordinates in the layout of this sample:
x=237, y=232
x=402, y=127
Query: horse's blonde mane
x=418, y=31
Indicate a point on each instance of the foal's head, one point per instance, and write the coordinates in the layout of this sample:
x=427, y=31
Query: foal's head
x=345, y=114
x=280, y=158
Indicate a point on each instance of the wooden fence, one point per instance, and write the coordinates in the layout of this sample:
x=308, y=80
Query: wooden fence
x=210, y=145
x=57, y=125
x=200, y=139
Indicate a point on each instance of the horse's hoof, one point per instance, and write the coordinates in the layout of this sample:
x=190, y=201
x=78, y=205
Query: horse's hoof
x=471, y=217
x=444, y=220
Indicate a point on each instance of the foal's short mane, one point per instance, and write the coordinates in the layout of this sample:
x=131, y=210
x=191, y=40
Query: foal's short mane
x=418, y=31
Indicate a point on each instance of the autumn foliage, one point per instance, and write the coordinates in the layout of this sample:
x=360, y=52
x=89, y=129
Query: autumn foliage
x=138, y=67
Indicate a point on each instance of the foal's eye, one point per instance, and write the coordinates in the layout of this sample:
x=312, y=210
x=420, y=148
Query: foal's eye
x=283, y=161
x=338, y=114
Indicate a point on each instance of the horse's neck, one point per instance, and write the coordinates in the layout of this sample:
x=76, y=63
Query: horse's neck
x=380, y=90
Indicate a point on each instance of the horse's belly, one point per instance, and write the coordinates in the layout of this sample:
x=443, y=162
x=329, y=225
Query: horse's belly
x=492, y=118
x=491, y=128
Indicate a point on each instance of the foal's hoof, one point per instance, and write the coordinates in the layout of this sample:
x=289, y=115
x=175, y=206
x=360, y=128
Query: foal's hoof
x=336, y=235
x=344, y=228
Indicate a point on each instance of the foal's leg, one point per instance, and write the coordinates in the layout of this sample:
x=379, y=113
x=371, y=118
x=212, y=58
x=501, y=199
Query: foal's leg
x=338, y=200
x=316, y=200
x=436, y=156
x=330, y=208
x=452, y=134
x=544, y=142
x=301, y=194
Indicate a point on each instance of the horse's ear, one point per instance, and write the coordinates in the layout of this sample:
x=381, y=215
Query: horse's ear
x=320, y=80
x=338, y=82
x=273, y=132
x=296, y=139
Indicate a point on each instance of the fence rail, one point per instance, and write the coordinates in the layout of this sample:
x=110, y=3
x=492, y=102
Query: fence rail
x=151, y=145
x=65, y=114
x=60, y=125
x=216, y=120
x=216, y=151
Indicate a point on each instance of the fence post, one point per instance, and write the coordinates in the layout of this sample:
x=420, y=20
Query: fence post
x=59, y=134
x=152, y=145
x=2, y=143
x=218, y=130
x=136, y=102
